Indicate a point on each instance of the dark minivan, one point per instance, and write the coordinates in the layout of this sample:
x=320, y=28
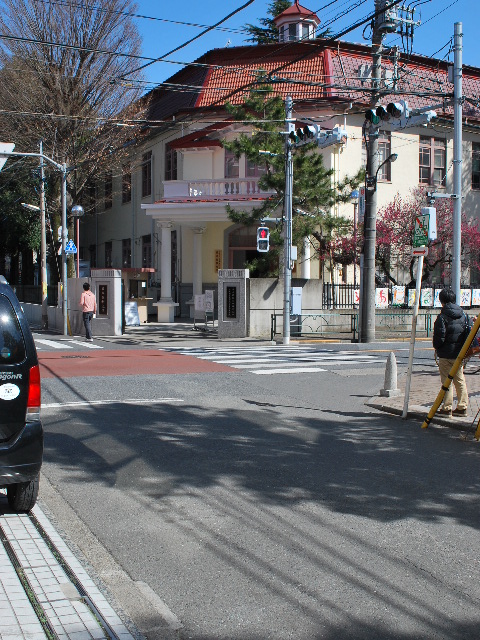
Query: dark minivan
x=21, y=431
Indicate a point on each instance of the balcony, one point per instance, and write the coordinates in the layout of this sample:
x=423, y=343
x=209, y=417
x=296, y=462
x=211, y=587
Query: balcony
x=222, y=189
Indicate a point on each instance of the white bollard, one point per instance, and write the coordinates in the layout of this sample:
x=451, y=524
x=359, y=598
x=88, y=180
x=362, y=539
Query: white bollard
x=390, y=384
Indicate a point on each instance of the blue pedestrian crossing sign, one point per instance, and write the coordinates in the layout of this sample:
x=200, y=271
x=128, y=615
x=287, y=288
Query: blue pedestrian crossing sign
x=70, y=247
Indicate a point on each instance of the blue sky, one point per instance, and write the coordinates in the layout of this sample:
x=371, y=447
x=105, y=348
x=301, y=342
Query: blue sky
x=431, y=37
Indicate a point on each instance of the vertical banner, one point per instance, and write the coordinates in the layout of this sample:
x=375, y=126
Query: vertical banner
x=436, y=301
x=475, y=297
x=398, y=293
x=426, y=297
x=411, y=297
x=381, y=298
x=465, y=297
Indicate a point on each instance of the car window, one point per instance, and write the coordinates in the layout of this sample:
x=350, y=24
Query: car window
x=12, y=346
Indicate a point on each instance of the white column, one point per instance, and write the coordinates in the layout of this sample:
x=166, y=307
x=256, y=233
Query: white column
x=305, y=259
x=166, y=262
x=166, y=306
x=197, y=261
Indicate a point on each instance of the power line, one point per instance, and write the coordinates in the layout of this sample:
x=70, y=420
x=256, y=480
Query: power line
x=232, y=13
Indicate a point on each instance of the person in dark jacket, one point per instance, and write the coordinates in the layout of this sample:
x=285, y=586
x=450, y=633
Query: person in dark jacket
x=448, y=340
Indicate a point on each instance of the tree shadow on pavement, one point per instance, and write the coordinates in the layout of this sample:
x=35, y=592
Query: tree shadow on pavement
x=371, y=465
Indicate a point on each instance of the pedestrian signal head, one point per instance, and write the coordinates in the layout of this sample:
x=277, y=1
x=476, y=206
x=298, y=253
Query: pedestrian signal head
x=263, y=239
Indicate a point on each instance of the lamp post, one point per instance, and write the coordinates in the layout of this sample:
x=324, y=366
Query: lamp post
x=367, y=282
x=5, y=153
x=77, y=212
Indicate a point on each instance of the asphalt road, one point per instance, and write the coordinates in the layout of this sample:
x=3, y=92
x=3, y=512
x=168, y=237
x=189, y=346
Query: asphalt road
x=266, y=506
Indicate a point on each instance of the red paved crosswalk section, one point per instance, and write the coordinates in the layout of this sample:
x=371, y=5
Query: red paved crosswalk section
x=122, y=363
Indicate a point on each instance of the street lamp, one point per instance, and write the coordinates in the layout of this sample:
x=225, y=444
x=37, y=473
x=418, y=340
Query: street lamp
x=371, y=182
x=77, y=212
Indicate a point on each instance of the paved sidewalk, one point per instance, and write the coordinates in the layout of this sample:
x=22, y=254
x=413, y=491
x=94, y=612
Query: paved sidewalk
x=44, y=590
x=424, y=389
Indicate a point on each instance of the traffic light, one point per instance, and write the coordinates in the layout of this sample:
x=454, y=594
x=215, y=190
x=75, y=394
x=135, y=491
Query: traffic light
x=304, y=135
x=326, y=138
x=398, y=116
x=263, y=239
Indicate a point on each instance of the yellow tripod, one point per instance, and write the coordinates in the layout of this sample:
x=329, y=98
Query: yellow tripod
x=456, y=366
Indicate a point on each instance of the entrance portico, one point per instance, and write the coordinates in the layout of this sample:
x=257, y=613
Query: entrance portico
x=194, y=219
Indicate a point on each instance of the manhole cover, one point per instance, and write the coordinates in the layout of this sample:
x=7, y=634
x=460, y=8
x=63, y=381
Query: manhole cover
x=75, y=356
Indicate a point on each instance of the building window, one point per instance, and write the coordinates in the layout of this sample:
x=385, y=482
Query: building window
x=92, y=250
x=108, y=255
x=126, y=183
x=231, y=165
x=384, y=150
x=146, y=251
x=432, y=172
x=292, y=32
x=108, y=201
x=146, y=174
x=91, y=199
x=475, y=165
x=253, y=170
x=127, y=252
x=170, y=163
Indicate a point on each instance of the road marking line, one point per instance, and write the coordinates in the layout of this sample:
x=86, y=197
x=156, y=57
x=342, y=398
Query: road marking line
x=51, y=343
x=88, y=345
x=86, y=403
x=300, y=370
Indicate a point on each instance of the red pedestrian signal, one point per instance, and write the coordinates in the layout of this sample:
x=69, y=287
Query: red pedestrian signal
x=263, y=239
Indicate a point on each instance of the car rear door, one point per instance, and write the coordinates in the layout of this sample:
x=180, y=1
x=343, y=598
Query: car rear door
x=14, y=371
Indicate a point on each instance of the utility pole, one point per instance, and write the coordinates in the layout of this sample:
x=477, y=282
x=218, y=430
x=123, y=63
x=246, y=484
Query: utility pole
x=287, y=238
x=457, y=159
x=43, y=244
x=367, y=283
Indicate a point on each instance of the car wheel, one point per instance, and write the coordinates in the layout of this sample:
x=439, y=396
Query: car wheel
x=23, y=495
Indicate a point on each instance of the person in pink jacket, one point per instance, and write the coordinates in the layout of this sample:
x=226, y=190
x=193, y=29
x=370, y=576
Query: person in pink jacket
x=89, y=307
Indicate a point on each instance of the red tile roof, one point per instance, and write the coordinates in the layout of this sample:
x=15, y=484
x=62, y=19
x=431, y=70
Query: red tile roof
x=313, y=72
x=297, y=10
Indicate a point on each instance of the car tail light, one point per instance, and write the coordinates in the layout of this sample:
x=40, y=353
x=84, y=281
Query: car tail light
x=34, y=394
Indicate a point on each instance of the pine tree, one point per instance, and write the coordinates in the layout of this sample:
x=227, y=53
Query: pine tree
x=269, y=33
x=313, y=193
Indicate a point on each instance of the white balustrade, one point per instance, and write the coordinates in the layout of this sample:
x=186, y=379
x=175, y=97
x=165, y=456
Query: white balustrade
x=223, y=188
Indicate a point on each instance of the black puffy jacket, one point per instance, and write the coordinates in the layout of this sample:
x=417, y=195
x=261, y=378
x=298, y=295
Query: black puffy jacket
x=449, y=331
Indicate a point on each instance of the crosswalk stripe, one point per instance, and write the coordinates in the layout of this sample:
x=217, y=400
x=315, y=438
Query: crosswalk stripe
x=88, y=345
x=265, y=372
x=256, y=364
x=52, y=343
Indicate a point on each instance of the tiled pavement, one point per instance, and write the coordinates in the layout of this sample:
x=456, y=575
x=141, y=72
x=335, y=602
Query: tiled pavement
x=63, y=605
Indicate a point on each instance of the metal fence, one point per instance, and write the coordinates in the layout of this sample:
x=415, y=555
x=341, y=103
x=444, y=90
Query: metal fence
x=344, y=326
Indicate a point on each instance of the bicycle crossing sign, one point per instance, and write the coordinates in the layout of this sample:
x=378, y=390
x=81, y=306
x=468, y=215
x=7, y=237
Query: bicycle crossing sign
x=70, y=247
x=420, y=233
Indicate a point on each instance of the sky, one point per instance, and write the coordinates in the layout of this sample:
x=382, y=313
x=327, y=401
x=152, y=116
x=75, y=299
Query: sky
x=431, y=38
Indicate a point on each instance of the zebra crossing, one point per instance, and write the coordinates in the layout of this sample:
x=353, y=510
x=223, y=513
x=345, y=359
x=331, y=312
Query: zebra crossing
x=43, y=344
x=272, y=360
